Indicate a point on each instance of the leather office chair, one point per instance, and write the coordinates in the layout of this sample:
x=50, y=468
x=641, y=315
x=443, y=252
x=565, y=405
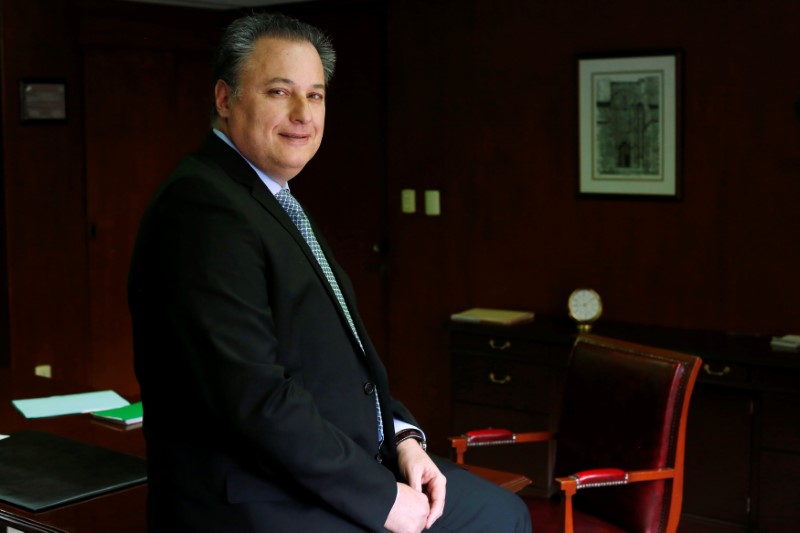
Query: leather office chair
x=620, y=444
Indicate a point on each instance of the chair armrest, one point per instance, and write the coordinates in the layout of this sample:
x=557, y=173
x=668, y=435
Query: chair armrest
x=602, y=477
x=634, y=476
x=493, y=437
x=536, y=436
x=489, y=436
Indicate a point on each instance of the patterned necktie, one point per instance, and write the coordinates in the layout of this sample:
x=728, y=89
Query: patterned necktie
x=298, y=216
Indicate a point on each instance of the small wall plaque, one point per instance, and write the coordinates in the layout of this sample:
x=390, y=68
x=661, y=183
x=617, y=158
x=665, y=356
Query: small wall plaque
x=43, y=100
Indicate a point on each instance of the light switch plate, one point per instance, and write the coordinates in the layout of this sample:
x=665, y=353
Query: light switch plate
x=432, y=203
x=408, y=201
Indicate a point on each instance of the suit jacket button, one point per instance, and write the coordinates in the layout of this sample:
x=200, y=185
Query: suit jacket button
x=369, y=388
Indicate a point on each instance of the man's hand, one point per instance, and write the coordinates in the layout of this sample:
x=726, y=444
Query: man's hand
x=409, y=512
x=422, y=475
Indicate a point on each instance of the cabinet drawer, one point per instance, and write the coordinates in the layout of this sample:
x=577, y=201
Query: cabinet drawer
x=723, y=373
x=537, y=351
x=505, y=383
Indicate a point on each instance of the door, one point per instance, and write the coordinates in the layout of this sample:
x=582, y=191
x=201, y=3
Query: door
x=144, y=110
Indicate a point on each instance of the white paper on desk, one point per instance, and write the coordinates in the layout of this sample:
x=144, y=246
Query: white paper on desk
x=69, y=404
x=786, y=343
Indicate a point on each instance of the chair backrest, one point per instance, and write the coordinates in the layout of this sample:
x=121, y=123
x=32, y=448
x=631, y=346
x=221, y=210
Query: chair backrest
x=625, y=406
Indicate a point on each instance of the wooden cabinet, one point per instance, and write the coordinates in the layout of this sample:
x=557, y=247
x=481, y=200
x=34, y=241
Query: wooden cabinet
x=503, y=378
x=743, y=435
x=778, y=499
x=720, y=425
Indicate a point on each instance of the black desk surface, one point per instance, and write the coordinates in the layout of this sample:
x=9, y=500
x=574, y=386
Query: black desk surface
x=119, y=511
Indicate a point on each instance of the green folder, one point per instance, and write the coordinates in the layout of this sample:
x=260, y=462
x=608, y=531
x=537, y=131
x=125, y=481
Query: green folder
x=130, y=414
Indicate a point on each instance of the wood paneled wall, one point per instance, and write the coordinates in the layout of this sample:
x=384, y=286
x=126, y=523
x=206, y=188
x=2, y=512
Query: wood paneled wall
x=137, y=100
x=43, y=182
x=482, y=107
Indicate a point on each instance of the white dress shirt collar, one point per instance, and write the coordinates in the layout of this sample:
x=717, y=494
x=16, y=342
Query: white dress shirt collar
x=273, y=185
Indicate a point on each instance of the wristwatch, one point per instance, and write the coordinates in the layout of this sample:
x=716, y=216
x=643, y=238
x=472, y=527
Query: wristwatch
x=411, y=433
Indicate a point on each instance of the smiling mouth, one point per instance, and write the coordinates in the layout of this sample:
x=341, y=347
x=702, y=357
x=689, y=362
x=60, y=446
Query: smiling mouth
x=295, y=136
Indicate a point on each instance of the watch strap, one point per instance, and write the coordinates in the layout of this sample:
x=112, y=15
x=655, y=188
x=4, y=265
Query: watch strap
x=411, y=433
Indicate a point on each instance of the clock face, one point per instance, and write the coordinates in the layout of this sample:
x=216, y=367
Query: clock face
x=584, y=305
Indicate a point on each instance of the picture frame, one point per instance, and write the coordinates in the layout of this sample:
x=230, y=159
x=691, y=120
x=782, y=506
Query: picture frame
x=43, y=100
x=629, y=125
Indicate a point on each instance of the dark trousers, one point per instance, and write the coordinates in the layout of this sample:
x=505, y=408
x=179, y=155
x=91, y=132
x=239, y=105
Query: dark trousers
x=474, y=505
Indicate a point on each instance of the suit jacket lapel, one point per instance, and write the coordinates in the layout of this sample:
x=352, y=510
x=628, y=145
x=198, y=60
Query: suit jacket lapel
x=234, y=165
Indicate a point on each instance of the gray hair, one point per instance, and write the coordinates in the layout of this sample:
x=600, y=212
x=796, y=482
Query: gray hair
x=240, y=37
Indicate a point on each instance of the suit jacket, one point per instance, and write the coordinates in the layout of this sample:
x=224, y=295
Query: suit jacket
x=258, y=411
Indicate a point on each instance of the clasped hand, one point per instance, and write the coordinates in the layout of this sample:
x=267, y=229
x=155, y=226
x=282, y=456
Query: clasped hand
x=420, y=501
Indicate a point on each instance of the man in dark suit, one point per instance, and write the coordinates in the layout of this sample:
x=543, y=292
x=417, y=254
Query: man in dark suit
x=266, y=406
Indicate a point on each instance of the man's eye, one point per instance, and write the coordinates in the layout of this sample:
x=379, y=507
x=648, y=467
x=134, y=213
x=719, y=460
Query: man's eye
x=316, y=96
x=277, y=92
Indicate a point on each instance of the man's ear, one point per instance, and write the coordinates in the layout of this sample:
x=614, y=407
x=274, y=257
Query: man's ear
x=222, y=98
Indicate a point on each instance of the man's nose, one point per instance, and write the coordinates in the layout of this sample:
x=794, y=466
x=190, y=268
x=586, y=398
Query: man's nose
x=301, y=110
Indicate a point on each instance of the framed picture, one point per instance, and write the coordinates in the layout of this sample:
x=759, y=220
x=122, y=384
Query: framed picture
x=629, y=125
x=43, y=100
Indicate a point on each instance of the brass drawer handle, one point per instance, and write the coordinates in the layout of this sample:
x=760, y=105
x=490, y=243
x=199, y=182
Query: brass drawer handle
x=724, y=372
x=494, y=346
x=503, y=381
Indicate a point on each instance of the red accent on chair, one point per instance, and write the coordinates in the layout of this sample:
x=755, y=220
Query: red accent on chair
x=600, y=476
x=481, y=436
x=625, y=405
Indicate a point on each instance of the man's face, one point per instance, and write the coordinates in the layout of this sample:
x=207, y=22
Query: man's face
x=278, y=118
